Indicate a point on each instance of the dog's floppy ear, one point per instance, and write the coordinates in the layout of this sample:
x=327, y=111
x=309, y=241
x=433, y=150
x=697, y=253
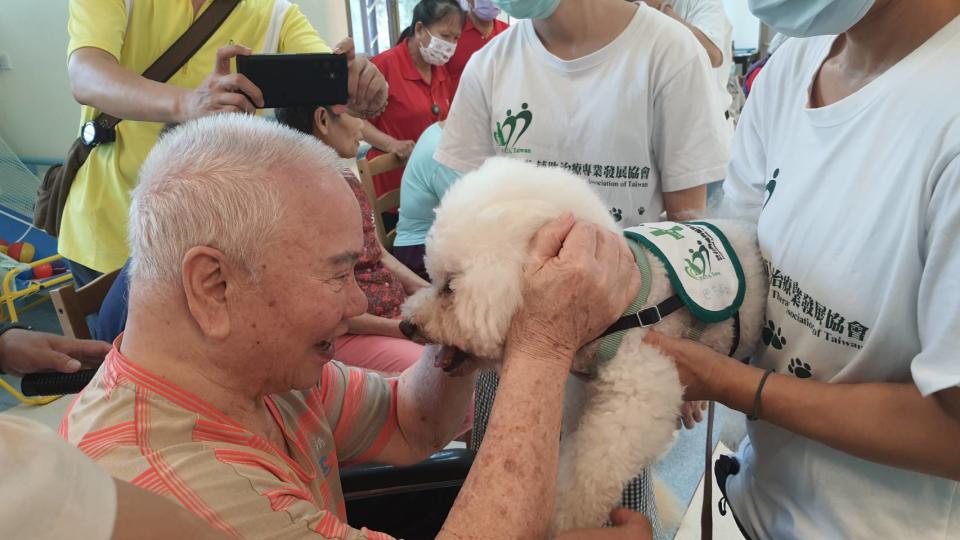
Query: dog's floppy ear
x=486, y=296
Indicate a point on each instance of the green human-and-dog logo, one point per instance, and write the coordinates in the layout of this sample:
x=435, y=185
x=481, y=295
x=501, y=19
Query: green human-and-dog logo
x=513, y=125
x=698, y=265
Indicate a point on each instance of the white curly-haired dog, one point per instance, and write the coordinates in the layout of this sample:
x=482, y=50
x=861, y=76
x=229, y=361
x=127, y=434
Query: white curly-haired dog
x=623, y=417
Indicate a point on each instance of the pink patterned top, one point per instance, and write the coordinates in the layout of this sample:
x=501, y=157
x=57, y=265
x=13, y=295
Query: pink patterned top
x=383, y=288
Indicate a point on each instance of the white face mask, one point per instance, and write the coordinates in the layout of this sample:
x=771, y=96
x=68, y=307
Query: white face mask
x=438, y=52
x=805, y=18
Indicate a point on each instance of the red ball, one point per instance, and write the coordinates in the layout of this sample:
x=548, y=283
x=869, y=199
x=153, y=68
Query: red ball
x=43, y=271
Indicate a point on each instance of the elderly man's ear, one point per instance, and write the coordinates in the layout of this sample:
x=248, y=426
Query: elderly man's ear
x=320, y=122
x=208, y=282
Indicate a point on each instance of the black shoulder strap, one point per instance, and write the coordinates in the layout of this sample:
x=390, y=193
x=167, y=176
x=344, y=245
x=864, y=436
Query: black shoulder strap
x=182, y=49
x=645, y=317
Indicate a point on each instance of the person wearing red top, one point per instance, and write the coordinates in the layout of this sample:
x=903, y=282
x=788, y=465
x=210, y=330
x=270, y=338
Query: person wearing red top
x=480, y=26
x=373, y=339
x=420, y=91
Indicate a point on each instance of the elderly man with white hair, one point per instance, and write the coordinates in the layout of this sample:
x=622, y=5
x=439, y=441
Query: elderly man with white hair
x=222, y=394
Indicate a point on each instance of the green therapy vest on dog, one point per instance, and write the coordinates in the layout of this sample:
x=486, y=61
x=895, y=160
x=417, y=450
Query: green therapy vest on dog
x=704, y=271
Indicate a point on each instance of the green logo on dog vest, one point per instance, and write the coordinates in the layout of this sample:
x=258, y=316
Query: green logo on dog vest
x=703, y=269
x=698, y=265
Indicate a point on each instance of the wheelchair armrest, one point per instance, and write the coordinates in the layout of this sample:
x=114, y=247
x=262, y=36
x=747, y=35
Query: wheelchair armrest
x=447, y=468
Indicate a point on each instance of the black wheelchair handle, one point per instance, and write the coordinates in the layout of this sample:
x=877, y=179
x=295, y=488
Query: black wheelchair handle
x=54, y=383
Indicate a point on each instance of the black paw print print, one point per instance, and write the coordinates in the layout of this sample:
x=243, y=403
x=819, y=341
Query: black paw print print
x=801, y=369
x=771, y=336
x=641, y=210
x=616, y=213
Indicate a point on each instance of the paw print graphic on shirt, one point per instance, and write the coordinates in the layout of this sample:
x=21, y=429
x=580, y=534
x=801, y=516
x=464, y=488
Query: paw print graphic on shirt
x=617, y=214
x=772, y=336
x=801, y=369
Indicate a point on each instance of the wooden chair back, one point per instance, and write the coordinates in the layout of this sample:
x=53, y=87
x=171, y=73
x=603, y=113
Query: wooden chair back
x=384, y=203
x=73, y=305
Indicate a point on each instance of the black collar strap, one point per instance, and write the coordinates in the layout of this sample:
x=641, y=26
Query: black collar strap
x=645, y=317
x=652, y=315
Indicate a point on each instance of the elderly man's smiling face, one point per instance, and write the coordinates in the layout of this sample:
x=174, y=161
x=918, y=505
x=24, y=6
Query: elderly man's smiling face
x=290, y=318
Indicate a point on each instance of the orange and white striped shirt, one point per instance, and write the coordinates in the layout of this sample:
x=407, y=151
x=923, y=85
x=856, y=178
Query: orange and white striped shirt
x=157, y=436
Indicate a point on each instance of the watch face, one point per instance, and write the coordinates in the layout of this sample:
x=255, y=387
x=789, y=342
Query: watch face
x=88, y=133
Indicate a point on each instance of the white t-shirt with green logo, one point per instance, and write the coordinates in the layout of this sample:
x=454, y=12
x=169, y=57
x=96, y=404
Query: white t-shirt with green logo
x=636, y=118
x=860, y=228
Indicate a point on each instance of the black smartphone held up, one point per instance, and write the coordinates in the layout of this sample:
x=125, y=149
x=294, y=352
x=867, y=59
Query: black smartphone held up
x=288, y=80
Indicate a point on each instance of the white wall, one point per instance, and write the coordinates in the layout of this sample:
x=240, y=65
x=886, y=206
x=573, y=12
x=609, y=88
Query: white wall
x=38, y=116
x=746, y=27
x=329, y=17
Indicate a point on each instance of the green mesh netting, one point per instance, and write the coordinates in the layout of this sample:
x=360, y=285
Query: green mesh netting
x=18, y=186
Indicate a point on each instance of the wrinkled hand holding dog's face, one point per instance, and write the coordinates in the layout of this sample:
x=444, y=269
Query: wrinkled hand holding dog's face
x=575, y=286
x=560, y=290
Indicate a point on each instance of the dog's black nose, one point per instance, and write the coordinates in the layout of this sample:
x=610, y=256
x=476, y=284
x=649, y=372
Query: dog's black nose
x=408, y=329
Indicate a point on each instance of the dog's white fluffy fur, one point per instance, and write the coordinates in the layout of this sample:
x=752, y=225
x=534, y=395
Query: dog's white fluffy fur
x=625, y=418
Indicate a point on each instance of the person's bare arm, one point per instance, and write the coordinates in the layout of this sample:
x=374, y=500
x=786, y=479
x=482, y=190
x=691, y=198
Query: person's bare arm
x=98, y=80
x=713, y=52
x=578, y=282
x=386, y=143
x=950, y=402
x=627, y=525
x=685, y=204
x=142, y=515
x=368, y=324
x=431, y=408
x=529, y=402
x=26, y=351
x=888, y=423
x=410, y=280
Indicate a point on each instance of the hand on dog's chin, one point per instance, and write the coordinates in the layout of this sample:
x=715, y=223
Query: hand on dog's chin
x=456, y=362
x=585, y=361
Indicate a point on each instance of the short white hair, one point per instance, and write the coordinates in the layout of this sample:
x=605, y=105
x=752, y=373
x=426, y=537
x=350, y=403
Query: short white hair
x=214, y=182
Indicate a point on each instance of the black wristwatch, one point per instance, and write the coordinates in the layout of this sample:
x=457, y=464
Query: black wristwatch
x=92, y=134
